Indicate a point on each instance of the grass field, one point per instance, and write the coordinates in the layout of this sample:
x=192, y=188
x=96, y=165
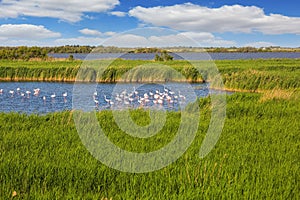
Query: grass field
x=256, y=157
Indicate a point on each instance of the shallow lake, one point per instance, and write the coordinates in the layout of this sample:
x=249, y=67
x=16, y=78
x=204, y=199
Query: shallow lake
x=52, y=97
x=182, y=56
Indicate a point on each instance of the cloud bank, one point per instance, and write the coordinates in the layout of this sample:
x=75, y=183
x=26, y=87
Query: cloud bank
x=26, y=31
x=235, y=18
x=67, y=10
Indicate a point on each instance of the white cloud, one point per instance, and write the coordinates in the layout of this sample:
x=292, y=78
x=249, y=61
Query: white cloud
x=260, y=44
x=93, y=41
x=26, y=31
x=97, y=33
x=118, y=13
x=19, y=42
x=87, y=31
x=128, y=40
x=67, y=10
x=137, y=40
x=189, y=39
x=31, y=35
x=235, y=18
x=110, y=33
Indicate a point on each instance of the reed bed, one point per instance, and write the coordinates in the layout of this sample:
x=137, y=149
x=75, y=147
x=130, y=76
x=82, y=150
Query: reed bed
x=244, y=75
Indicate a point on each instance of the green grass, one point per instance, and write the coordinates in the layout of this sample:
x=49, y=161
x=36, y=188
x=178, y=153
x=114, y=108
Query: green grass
x=253, y=75
x=249, y=75
x=256, y=157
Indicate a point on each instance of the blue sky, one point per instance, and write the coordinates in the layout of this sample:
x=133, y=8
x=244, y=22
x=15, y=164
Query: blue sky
x=126, y=23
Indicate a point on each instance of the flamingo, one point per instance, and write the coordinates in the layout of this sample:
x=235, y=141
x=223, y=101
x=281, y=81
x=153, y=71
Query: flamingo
x=1, y=91
x=131, y=99
x=36, y=91
x=28, y=93
x=108, y=100
x=169, y=98
x=165, y=89
x=147, y=101
x=126, y=102
x=12, y=93
x=181, y=96
x=96, y=102
x=124, y=92
x=65, y=95
x=151, y=94
x=146, y=96
x=171, y=93
x=118, y=98
x=160, y=101
x=135, y=91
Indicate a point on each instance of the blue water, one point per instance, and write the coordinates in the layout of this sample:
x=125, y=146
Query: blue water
x=184, y=56
x=131, y=95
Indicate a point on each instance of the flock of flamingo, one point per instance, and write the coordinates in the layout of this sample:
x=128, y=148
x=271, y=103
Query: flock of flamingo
x=27, y=93
x=134, y=98
x=141, y=99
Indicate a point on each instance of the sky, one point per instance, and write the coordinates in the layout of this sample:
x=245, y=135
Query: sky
x=149, y=23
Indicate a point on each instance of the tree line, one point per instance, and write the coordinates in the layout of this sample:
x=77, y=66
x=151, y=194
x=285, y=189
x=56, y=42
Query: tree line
x=27, y=53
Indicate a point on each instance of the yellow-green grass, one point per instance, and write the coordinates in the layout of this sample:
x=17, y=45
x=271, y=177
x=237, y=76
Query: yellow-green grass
x=256, y=157
x=244, y=75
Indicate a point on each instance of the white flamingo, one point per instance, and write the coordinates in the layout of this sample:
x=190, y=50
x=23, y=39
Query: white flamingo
x=28, y=93
x=151, y=94
x=165, y=89
x=131, y=99
x=126, y=102
x=11, y=92
x=181, y=96
x=135, y=91
x=108, y=100
x=96, y=102
x=65, y=95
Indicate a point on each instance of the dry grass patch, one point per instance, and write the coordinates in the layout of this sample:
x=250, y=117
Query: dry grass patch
x=277, y=94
